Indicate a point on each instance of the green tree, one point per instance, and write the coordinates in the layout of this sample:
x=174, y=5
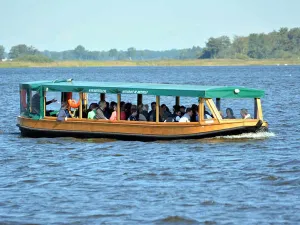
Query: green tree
x=2, y=51
x=80, y=52
x=113, y=53
x=215, y=46
x=239, y=46
x=21, y=50
x=256, y=46
x=131, y=52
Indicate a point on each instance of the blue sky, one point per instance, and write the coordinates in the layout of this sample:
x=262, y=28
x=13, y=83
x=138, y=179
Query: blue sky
x=157, y=24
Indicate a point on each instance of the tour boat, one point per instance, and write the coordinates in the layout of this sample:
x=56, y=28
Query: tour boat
x=40, y=124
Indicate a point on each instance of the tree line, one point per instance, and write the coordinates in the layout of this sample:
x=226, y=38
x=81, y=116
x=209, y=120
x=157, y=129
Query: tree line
x=29, y=53
x=284, y=43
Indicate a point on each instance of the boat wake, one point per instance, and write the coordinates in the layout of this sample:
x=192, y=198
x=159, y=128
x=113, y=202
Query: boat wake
x=258, y=135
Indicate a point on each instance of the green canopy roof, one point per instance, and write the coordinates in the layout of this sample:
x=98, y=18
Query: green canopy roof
x=145, y=89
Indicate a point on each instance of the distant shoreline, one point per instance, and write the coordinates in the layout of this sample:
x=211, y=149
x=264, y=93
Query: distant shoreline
x=194, y=62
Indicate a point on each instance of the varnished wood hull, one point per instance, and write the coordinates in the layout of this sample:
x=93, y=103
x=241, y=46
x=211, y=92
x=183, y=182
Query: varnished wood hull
x=128, y=130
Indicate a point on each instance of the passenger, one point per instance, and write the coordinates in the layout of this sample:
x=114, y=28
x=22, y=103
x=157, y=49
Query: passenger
x=107, y=112
x=151, y=113
x=175, y=117
x=176, y=108
x=141, y=116
x=145, y=110
x=165, y=112
x=134, y=114
x=92, y=110
x=128, y=110
x=245, y=114
x=63, y=113
x=229, y=114
x=187, y=116
x=113, y=116
x=100, y=111
x=123, y=114
x=182, y=110
x=195, y=113
x=35, y=103
x=111, y=107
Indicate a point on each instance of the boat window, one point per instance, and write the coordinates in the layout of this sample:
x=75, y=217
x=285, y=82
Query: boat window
x=231, y=108
x=53, y=103
x=23, y=102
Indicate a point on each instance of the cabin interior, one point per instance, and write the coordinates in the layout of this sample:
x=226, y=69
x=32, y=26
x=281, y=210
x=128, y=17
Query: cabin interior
x=216, y=107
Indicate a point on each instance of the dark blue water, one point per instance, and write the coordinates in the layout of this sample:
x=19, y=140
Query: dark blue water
x=248, y=179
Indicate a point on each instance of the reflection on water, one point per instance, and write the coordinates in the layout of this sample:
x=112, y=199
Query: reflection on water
x=238, y=179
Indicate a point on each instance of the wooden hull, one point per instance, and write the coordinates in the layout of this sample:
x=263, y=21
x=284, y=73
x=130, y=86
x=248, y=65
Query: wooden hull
x=129, y=130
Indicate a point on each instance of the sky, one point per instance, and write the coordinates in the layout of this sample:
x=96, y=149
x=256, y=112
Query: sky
x=59, y=25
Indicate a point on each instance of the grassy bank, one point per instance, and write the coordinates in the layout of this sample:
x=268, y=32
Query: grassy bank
x=196, y=62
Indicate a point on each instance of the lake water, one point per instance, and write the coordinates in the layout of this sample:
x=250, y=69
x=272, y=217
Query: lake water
x=247, y=179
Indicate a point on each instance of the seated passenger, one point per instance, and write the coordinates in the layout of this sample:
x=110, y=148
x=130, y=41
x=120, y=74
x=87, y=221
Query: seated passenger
x=100, y=111
x=195, y=113
x=229, y=114
x=113, y=116
x=187, y=116
x=178, y=116
x=165, y=112
x=245, y=114
x=182, y=109
x=123, y=114
x=134, y=114
x=63, y=113
x=141, y=116
x=151, y=113
x=127, y=109
x=175, y=117
x=176, y=108
x=106, y=111
x=145, y=109
x=92, y=111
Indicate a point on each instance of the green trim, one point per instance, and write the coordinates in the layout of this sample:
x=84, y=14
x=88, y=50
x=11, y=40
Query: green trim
x=145, y=89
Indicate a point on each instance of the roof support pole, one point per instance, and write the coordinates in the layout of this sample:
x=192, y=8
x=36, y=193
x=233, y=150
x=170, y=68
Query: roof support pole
x=218, y=103
x=177, y=100
x=157, y=108
x=201, y=110
x=102, y=97
x=118, y=107
x=139, y=99
x=210, y=103
x=258, y=109
x=44, y=102
x=255, y=108
x=80, y=105
x=85, y=100
x=29, y=97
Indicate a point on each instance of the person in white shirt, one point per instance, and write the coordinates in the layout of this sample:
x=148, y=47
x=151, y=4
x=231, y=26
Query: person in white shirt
x=187, y=116
x=245, y=114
